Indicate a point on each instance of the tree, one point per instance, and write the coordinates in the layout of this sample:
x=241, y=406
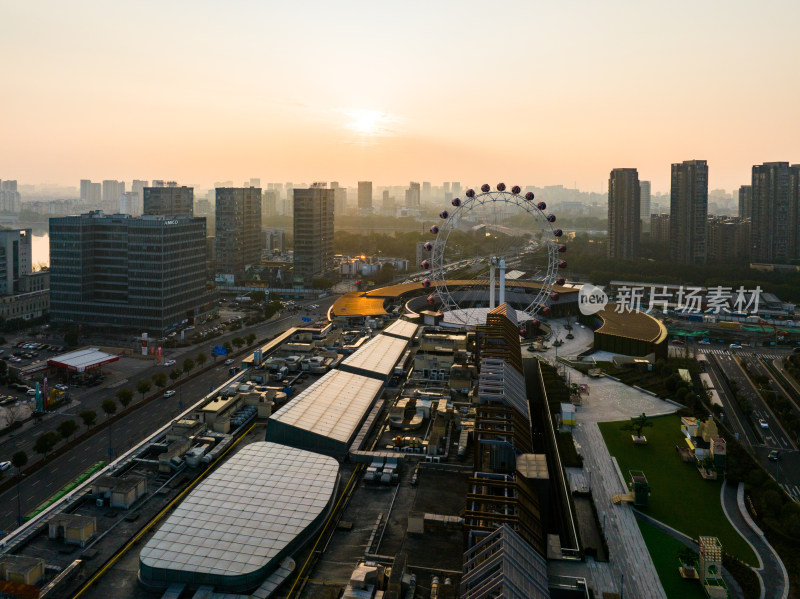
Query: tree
x=71, y=337
x=174, y=374
x=188, y=364
x=238, y=342
x=201, y=359
x=687, y=556
x=89, y=417
x=67, y=428
x=3, y=370
x=258, y=297
x=125, y=396
x=638, y=424
x=228, y=346
x=160, y=379
x=251, y=338
x=109, y=407
x=18, y=460
x=143, y=387
x=45, y=442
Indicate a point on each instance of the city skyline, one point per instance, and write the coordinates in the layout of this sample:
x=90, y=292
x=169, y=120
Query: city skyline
x=538, y=94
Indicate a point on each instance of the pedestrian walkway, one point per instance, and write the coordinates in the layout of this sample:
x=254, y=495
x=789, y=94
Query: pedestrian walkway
x=630, y=563
x=773, y=575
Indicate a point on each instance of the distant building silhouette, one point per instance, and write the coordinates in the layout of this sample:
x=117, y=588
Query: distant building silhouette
x=365, y=196
x=688, y=212
x=624, y=222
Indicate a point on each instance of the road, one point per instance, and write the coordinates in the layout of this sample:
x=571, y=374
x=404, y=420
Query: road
x=91, y=398
x=763, y=440
x=125, y=433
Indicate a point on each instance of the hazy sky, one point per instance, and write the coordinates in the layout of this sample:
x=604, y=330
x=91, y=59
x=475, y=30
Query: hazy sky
x=528, y=92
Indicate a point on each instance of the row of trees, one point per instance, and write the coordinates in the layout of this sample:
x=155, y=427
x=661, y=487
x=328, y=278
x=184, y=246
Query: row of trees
x=67, y=428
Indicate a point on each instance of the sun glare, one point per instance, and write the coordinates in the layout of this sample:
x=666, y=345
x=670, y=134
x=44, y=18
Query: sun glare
x=367, y=122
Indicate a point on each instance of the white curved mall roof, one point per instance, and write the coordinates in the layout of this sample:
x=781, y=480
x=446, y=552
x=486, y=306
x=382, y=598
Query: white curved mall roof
x=247, y=511
x=333, y=406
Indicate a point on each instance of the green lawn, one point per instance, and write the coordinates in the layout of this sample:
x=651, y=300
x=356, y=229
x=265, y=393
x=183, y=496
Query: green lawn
x=664, y=551
x=678, y=496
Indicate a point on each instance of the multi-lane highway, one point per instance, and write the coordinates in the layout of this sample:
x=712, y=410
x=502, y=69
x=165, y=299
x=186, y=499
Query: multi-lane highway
x=761, y=430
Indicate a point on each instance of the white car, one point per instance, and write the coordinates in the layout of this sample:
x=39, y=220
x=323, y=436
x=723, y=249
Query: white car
x=228, y=362
x=734, y=346
x=31, y=392
x=168, y=394
x=169, y=363
x=61, y=387
x=703, y=342
x=5, y=465
x=763, y=423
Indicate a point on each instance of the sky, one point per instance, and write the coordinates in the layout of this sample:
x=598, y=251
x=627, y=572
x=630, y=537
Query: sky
x=529, y=92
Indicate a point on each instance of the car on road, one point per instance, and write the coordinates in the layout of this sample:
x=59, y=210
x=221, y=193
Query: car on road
x=189, y=328
x=774, y=455
x=31, y=392
x=734, y=346
x=169, y=363
x=5, y=465
x=677, y=342
x=763, y=423
x=704, y=342
x=168, y=394
x=228, y=362
x=61, y=387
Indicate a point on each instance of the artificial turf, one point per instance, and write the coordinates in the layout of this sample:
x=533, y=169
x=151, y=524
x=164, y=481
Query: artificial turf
x=664, y=551
x=679, y=497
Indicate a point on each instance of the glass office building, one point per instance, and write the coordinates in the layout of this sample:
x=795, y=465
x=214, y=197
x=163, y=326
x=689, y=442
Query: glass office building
x=145, y=274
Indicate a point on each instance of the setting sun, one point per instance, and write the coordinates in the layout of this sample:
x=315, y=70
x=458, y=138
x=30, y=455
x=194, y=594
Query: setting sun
x=368, y=122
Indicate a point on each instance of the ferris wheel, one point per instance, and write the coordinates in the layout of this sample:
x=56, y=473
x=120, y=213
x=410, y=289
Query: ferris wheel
x=494, y=231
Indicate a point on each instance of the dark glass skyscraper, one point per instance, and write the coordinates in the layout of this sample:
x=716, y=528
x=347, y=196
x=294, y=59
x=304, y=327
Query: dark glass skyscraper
x=144, y=274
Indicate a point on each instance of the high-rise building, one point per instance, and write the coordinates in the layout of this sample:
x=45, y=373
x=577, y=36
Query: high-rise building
x=728, y=239
x=15, y=258
x=91, y=193
x=255, y=182
x=10, y=199
x=313, y=234
x=112, y=191
x=339, y=198
x=365, y=196
x=169, y=201
x=624, y=223
x=745, y=201
x=659, y=228
x=145, y=274
x=238, y=229
x=269, y=204
x=774, y=212
x=413, y=195
x=129, y=203
x=688, y=212
x=644, y=201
